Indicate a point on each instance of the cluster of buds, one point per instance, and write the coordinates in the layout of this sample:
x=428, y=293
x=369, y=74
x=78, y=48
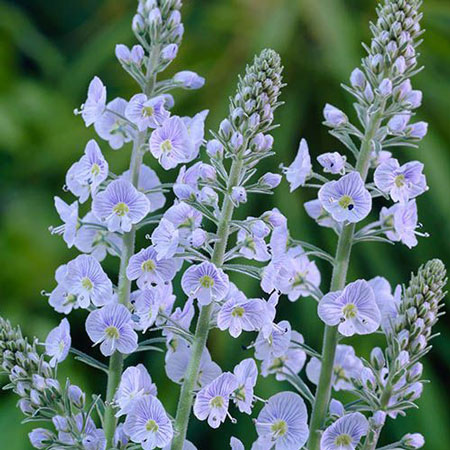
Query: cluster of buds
x=252, y=109
x=392, y=380
x=42, y=398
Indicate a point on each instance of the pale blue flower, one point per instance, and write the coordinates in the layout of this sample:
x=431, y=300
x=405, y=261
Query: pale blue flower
x=301, y=168
x=127, y=56
x=95, y=103
x=292, y=361
x=169, y=52
x=147, y=269
x=332, y=162
x=252, y=246
x=282, y=423
x=205, y=282
x=345, y=367
x=177, y=363
x=92, y=438
x=316, y=211
x=398, y=123
x=148, y=424
x=275, y=343
x=148, y=182
x=354, y=309
x=297, y=277
x=238, y=195
x=146, y=307
x=120, y=205
x=113, y=328
x=69, y=215
x=196, y=131
x=146, y=112
x=189, y=80
x=413, y=440
x=345, y=433
x=86, y=279
x=246, y=374
x=212, y=401
x=95, y=240
x=386, y=301
x=239, y=314
x=171, y=143
x=418, y=130
x=402, y=183
x=135, y=384
x=58, y=342
x=112, y=127
x=165, y=239
x=41, y=438
x=236, y=444
x=346, y=199
x=85, y=176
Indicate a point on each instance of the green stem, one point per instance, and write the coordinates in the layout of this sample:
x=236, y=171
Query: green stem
x=338, y=280
x=124, y=289
x=203, y=323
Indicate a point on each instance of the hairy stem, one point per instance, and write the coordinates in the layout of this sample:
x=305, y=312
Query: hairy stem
x=342, y=259
x=203, y=323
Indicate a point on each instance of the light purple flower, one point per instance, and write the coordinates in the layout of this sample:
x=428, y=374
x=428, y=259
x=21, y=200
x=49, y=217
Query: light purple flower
x=345, y=433
x=146, y=112
x=86, y=280
x=126, y=56
x=212, y=401
x=282, y=423
x=196, y=131
x=86, y=175
x=358, y=79
x=148, y=424
x=120, y=205
x=297, y=173
x=61, y=299
x=184, y=217
x=112, y=127
x=387, y=303
x=354, y=309
x=205, y=282
x=113, y=328
x=297, y=277
x=401, y=182
x=403, y=219
x=95, y=240
x=135, y=384
x=58, y=342
x=69, y=215
x=94, y=106
x=189, y=80
x=346, y=199
x=238, y=313
x=246, y=374
x=146, y=307
x=271, y=180
x=275, y=343
x=238, y=195
x=332, y=162
x=252, y=246
x=345, y=367
x=177, y=363
x=165, y=239
x=169, y=52
x=146, y=268
x=149, y=181
x=334, y=117
x=171, y=143
x=316, y=211
x=292, y=361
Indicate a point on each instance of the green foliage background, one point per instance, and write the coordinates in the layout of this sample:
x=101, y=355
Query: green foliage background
x=50, y=50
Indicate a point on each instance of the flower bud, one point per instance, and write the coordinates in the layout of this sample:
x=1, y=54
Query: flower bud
x=237, y=116
x=272, y=180
x=418, y=130
x=123, y=53
x=414, y=99
x=368, y=378
x=189, y=80
x=336, y=408
x=413, y=440
x=398, y=123
x=415, y=372
x=378, y=418
x=238, y=195
x=76, y=396
x=334, y=117
x=40, y=438
x=198, y=237
x=377, y=358
x=169, y=52
x=207, y=172
x=274, y=217
x=214, y=148
x=385, y=87
x=399, y=65
x=358, y=79
x=61, y=423
x=237, y=141
x=225, y=129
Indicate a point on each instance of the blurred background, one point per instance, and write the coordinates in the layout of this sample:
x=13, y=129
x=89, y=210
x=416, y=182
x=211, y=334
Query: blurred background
x=49, y=51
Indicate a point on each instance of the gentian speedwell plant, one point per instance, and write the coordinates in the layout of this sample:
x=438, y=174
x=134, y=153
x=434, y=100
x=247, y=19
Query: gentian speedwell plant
x=203, y=237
